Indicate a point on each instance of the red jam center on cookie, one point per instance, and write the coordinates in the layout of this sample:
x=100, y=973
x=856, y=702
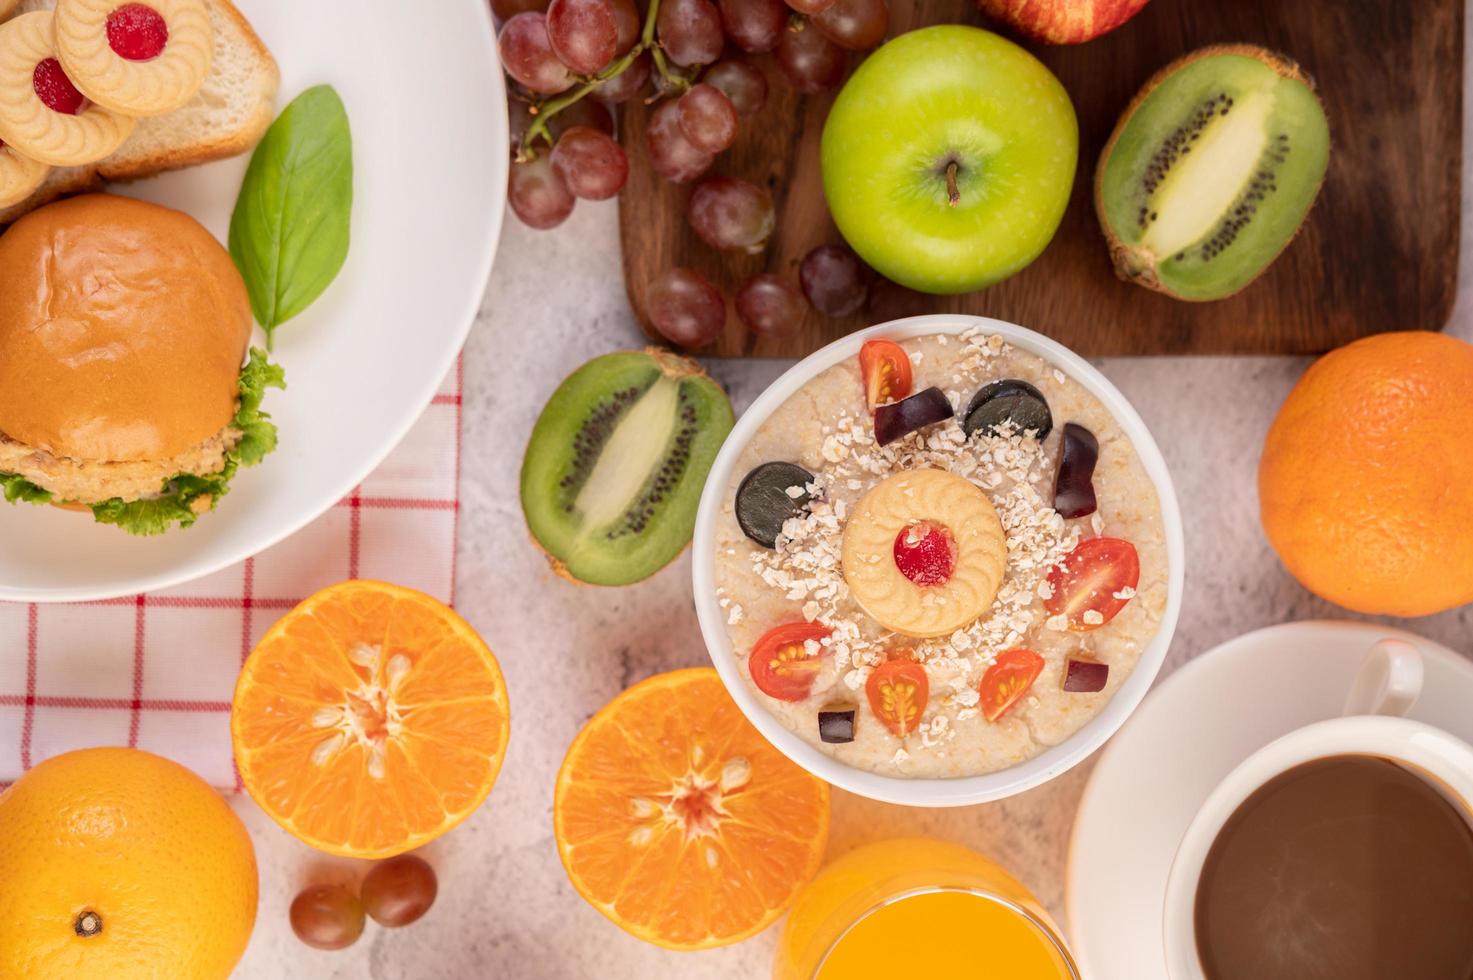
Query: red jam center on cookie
x=55, y=90
x=925, y=553
x=137, y=32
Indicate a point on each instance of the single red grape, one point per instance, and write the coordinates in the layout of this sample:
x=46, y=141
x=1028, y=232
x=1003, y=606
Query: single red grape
x=327, y=917
x=810, y=7
x=590, y=163
x=690, y=31
x=742, y=83
x=584, y=33
x=527, y=54
x=834, y=280
x=811, y=62
x=754, y=25
x=671, y=154
x=399, y=891
x=625, y=85
x=538, y=195
x=729, y=213
x=769, y=306
x=854, y=24
x=507, y=9
x=627, y=21
x=707, y=118
x=685, y=308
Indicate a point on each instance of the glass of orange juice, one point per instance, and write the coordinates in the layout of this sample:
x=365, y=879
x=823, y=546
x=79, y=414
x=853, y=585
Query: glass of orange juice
x=919, y=908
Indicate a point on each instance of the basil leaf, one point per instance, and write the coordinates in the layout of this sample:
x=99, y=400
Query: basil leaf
x=289, y=233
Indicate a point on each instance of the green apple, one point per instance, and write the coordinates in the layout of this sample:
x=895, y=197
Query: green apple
x=948, y=158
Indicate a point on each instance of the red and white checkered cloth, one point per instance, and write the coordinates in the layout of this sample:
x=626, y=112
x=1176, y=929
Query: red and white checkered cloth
x=157, y=671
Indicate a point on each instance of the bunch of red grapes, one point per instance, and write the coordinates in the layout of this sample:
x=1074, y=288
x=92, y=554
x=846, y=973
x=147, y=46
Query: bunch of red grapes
x=570, y=60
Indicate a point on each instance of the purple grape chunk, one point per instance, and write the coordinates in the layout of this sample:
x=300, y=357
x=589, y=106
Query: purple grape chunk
x=836, y=723
x=764, y=503
x=1085, y=676
x=899, y=419
x=1012, y=401
x=1074, y=490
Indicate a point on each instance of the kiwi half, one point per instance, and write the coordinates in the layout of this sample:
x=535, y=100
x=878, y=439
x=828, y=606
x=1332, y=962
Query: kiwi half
x=614, y=470
x=1211, y=170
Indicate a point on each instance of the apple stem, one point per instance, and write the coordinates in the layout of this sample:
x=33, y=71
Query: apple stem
x=953, y=196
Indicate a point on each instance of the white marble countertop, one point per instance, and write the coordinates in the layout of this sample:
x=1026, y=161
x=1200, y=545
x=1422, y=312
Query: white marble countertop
x=505, y=907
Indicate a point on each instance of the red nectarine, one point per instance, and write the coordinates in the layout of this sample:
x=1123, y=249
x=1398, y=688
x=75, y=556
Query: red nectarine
x=1063, y=21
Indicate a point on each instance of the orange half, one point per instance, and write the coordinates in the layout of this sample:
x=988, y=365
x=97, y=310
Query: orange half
x=370, y=720
x=680, y=822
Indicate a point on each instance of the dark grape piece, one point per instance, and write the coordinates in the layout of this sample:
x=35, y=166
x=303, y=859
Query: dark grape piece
x=1085, y=676
x=743, y=84
x=834, y=280
x=399, y=891
x=836, y=723
x=1009, y=400
x=625, y=85
x=754, y=25
x=519, y=119
x=811, y=62
x=810, y=7
x=854, y=24
x=899, y=419
x=763, y=503
x=327, y=917
x=1074, y=489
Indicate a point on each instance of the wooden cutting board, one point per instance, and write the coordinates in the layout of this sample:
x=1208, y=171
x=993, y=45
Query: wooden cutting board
x=1379, y=251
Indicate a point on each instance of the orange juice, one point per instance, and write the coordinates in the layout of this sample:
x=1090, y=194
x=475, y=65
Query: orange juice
x=923, y=908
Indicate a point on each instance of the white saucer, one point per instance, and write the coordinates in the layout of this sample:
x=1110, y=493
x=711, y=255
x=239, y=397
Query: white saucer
x=1184, y=738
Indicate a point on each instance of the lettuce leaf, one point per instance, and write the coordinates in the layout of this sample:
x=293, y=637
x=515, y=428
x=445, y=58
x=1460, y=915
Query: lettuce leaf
x=17, y=487
x=185, y=496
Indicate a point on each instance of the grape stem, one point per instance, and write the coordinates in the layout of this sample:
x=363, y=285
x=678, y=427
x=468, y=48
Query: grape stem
x=544, y=111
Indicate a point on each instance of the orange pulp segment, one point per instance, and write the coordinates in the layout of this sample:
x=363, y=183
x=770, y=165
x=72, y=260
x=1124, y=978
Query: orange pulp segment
x=370, y=720
x=677, y=820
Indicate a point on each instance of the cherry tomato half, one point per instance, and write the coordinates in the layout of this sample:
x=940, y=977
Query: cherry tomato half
x=1089, y=580
x=886, y=371
x=1007, y=680
x=780, y=663
x=898, y=691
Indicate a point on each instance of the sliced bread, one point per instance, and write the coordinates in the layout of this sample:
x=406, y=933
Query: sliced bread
x=227, y=117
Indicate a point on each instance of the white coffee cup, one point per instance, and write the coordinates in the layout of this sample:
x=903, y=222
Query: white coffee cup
x=1386, y=687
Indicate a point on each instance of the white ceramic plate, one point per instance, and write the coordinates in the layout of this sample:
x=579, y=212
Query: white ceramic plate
x=1191, y=732
x=428, y=111
x=936, y=792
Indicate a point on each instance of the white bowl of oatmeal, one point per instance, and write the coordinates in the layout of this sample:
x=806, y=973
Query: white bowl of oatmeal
x=946, y=618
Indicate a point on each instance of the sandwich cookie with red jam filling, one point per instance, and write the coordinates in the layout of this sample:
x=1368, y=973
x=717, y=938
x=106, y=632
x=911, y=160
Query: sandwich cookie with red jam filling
x=19, y=174
x=140, y=59
x=42, y=114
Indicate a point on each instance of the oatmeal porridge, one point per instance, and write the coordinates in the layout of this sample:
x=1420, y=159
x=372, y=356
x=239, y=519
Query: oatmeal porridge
x=939, y=559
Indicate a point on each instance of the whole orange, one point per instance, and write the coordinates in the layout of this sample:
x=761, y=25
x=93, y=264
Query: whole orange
x=116, y=863
x=1366, y=481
